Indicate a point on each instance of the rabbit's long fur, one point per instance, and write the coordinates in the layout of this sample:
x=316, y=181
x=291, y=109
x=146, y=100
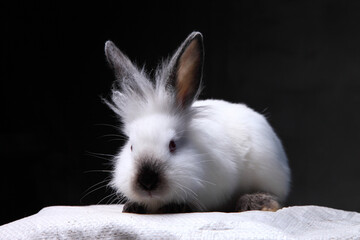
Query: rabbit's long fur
x=204, y=154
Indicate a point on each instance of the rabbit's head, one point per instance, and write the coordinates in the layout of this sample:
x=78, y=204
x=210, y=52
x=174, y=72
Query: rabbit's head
x=160, y=162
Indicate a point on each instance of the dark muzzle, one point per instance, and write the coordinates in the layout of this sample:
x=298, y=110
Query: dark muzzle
x=148, y=176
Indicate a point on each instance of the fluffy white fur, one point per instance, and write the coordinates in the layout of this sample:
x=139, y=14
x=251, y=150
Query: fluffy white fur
x=223, y=149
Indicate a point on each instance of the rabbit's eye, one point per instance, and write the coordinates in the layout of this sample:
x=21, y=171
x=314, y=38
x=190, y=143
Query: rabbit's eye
x=131, y=147
x=172, y=146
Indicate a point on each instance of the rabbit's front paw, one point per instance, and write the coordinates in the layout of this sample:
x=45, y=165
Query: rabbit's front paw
x=133, y=207
x=174, y=208
x=257, y=201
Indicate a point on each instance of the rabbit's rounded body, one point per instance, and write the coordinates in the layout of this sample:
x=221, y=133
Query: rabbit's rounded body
x=188, y=155
x=241, y=154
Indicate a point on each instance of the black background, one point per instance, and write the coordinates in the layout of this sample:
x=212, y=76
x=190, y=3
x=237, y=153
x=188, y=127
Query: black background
x=298, y=62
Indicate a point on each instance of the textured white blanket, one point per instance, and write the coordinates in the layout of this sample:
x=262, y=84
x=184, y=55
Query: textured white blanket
x=107, y=222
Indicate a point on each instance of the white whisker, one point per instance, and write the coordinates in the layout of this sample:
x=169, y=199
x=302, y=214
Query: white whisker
x=93, y=191
x=110, y=195
x=97, y=171
x=107, y=125
x=100, y=154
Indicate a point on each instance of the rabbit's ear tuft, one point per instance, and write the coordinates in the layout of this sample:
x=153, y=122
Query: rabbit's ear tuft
x=119, y=62
x=187, y=67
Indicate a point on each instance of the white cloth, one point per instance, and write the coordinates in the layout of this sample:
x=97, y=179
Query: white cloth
x=108, y=222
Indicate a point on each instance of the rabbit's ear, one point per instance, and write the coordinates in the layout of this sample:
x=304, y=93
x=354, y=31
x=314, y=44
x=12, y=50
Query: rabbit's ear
x=119, y=62
x=186, y=68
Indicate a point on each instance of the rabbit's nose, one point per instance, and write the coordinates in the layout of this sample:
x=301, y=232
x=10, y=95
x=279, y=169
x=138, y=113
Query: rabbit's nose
x=148, y=177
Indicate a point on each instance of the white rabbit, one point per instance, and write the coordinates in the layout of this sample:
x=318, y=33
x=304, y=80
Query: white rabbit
x=186, y=155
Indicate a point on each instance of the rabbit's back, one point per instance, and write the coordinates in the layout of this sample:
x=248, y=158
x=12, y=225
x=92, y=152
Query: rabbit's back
x=247, y=151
